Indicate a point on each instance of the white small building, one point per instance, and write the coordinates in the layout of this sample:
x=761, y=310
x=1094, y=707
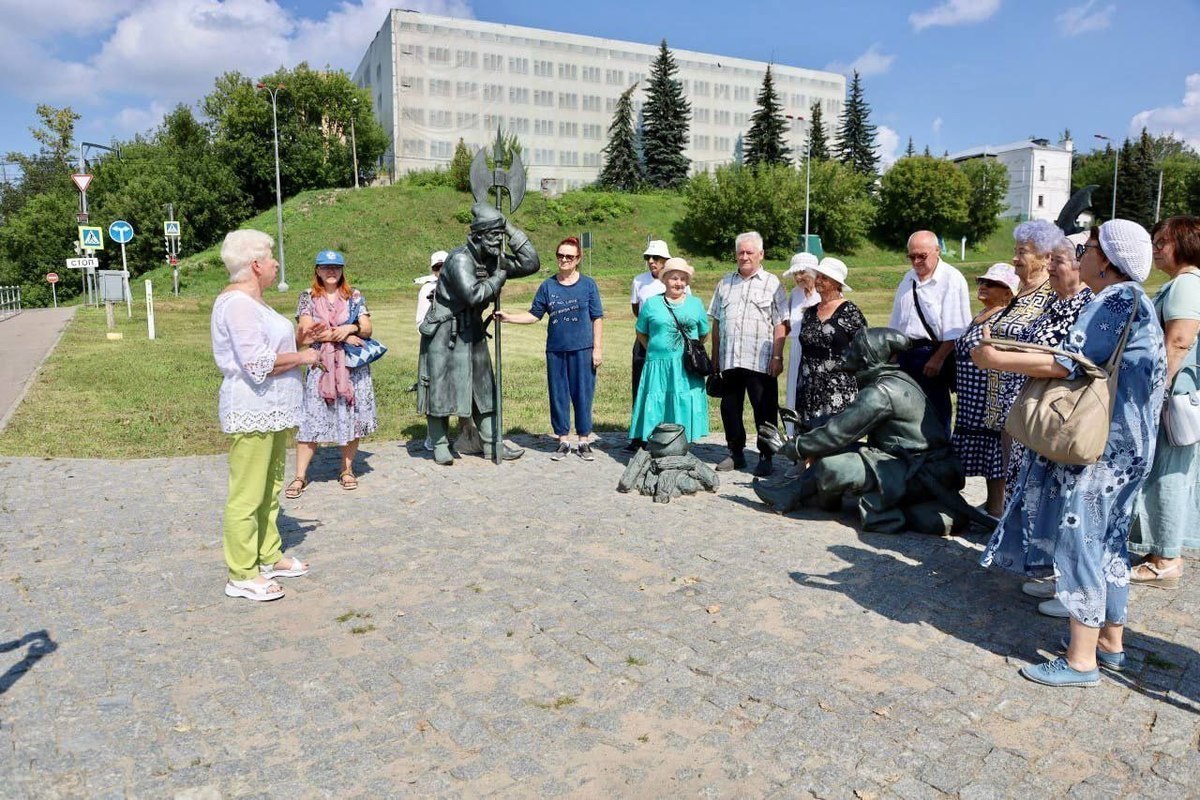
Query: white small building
x=1039, y=175
x=437, y=79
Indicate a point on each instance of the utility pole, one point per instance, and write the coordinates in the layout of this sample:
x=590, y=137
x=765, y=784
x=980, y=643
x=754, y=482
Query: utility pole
x=283, y=286
x=354, y=142
x=1116, y=162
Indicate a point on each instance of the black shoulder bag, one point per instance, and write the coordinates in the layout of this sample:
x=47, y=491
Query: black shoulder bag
x=695, y=357
x=950, y=364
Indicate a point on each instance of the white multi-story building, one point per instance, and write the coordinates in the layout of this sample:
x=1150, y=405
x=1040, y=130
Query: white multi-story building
x=1039, y=175
x=437, y=79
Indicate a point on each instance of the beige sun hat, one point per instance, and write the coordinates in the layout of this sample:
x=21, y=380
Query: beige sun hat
x=834, y=269
x=677, y=265
x=1004, y=274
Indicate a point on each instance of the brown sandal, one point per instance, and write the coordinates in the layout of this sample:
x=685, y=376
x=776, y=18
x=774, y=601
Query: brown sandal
x=348, y=481
x=293, y=491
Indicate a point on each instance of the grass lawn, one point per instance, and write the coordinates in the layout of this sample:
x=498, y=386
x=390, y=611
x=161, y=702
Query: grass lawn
x=137, y=398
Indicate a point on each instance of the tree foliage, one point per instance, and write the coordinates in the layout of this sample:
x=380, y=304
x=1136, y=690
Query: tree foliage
x=856, y=136
x=667, y=116
x=460, y=167
x=622, y=170
x=922, y=193
x=770, y=200
x=989, y=187
x=1140, y=163
x=766, y=141
x=818, y=139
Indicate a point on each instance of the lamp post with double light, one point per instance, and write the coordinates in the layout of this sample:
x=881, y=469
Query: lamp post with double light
x=274, y=91
x=807, y=174
x=1116, y=162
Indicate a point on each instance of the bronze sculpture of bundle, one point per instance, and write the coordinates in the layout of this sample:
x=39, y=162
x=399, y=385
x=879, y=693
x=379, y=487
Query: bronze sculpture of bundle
x=666, y=469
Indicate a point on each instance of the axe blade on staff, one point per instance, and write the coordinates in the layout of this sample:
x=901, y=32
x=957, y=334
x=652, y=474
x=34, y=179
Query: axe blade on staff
x=484, y=182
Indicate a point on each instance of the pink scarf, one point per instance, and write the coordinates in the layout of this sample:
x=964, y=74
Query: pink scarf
x=333, y=310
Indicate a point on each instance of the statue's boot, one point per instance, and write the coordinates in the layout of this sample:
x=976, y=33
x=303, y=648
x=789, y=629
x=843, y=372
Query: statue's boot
x=787, y=496
x=439, y=434
x=486, y=425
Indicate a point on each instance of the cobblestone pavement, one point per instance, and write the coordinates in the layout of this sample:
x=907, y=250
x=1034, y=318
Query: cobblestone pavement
x=542, y=635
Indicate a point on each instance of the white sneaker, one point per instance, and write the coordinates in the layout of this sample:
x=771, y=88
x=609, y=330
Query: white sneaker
x=428, y=444
x=1053, y=608
x=1042, y=590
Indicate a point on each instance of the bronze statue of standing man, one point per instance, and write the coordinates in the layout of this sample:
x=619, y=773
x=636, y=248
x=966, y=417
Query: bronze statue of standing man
x=455, y=368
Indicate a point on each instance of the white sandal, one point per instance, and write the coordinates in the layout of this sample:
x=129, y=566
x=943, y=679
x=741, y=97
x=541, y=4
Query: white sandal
x=254, y=590
x=295, y=571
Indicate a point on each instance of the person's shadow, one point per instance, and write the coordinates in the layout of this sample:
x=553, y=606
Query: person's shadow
x=940, y=583
x=40, y=645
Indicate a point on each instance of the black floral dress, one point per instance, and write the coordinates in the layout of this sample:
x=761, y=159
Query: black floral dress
x=823, y=387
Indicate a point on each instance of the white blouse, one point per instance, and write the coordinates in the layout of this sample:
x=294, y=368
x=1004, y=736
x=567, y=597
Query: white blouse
x=246, y=337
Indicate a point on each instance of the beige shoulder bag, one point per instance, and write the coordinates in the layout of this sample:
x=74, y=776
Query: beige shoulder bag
x=1065, y=419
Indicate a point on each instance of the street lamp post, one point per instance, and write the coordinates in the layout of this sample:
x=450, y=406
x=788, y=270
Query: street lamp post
x=353, y=141
x=807, y=175
x=274, y=91
x=1116, y=162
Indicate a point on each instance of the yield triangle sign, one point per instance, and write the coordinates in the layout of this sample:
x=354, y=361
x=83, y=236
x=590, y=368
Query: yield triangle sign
x=82, y=181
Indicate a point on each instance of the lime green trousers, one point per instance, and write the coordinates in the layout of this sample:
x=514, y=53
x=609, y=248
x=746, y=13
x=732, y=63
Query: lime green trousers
x=256, y=463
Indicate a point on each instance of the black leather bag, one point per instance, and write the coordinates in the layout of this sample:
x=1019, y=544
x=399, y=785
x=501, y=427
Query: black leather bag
x=695, y=357
x=714, y=385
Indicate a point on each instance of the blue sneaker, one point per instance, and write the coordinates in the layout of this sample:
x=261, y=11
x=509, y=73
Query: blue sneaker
x=1110, y=661
x=1059, y=673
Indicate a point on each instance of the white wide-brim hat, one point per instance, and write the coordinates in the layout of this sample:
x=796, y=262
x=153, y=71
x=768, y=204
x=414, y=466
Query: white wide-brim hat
x=800, y=263
x=437, y=258
x=1004, y=274
x=834, y=269
x=658, y=249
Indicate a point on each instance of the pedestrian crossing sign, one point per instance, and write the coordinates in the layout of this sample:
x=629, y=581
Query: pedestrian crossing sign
x=91, y=237
x=171, y=227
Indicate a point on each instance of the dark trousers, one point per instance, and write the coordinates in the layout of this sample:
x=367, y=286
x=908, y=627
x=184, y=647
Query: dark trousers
x=639, y=361
x=572, y=382
x=937, y=388
x=763, y=391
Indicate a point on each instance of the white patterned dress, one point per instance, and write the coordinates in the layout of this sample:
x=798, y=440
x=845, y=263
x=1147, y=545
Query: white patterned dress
x=338, y=422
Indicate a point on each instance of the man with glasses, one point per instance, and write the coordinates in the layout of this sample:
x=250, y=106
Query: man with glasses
x=749, y=313
x=645, y=286
x=932, y=308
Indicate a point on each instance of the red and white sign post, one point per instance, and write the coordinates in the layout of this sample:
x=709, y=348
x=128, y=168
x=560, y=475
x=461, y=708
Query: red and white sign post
x=52, y=278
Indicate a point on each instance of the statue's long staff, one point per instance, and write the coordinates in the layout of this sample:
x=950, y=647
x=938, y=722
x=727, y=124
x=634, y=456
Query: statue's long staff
x=485, y=182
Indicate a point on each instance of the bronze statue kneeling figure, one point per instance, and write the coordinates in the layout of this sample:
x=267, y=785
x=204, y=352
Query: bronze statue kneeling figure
x=905, y=476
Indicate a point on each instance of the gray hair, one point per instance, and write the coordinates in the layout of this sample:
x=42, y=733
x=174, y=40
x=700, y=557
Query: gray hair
x=1064, y=246
x=741, y=237
x=1042, y=235
x=242, y=248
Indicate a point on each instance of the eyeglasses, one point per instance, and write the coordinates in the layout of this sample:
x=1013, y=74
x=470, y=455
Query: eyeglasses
x=1080, y=249
x=565, y=256
x=918, y=256
x=329, y=266
x=990, y=284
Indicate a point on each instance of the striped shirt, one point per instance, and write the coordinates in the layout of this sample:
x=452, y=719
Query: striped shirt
x=747, y=311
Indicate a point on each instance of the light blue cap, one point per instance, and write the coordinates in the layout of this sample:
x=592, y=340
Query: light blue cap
x=331, y=257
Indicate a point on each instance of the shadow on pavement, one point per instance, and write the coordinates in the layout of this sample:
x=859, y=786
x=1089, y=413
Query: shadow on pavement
x=922, y=581
x=40, y=645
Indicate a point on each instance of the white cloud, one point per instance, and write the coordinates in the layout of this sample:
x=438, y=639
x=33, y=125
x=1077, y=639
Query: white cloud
x=157, y=53
x=936, y=127
x=1083, y=19
x=1182, y=120
x=954, y=12
x=872, y=62
x=887, y=143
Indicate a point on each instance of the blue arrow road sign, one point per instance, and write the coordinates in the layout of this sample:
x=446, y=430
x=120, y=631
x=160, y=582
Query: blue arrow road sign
x=120, y=232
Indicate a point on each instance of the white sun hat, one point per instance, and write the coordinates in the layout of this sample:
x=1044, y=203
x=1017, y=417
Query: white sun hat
x=834, y=269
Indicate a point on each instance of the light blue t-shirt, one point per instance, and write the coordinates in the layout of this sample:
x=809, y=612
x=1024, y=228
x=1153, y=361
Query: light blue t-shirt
x=1179, y=298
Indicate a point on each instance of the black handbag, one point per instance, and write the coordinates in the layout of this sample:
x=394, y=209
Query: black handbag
x=695, y=357
x=714, y=385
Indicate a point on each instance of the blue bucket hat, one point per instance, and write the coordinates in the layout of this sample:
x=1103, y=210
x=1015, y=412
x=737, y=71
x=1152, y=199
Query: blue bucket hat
x=331, y=257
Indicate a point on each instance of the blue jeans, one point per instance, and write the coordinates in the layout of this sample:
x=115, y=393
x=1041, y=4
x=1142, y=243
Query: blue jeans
x=571, y=379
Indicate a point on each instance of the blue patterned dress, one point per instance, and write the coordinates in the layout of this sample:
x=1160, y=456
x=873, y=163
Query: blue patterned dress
x=1072, y=521
x=337, y=423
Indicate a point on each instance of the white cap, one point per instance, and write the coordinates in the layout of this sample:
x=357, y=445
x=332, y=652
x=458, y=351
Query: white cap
x=832, y=268
x=1004, y=274
x=1127, y=246
x=438, y=258
x=800, y=263
x=658, y=249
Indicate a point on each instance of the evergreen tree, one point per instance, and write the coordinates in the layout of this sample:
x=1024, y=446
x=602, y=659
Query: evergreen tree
x=856, y=139
x=910, y=151
x=460, y=167
x=818, y=140
x=1137, y=181
x=927, y=153
x=766, y=142
x=667, y=120
x=739, y=150
x=621, y=167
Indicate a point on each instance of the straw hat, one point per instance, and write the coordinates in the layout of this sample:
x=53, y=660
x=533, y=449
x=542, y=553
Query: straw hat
x=676, y=265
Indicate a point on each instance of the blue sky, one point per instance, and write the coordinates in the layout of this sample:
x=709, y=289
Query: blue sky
x=951, y=74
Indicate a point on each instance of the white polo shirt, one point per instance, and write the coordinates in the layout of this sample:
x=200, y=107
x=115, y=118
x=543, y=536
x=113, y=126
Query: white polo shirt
x=945, y=301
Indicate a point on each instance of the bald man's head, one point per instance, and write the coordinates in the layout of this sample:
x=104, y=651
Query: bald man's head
x=923, y=253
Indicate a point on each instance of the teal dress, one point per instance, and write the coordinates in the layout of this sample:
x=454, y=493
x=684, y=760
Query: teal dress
x=667, y=392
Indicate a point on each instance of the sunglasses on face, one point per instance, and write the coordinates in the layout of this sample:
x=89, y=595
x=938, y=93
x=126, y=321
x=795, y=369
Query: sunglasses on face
x=565, y=256
x=1080, y=249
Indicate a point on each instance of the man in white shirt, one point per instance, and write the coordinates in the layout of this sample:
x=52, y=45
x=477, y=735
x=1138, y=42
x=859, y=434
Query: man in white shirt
x=749, y=312
x=645, y=286
x=932, y=308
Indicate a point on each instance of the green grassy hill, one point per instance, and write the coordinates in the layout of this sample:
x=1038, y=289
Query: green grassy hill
x=139, y=398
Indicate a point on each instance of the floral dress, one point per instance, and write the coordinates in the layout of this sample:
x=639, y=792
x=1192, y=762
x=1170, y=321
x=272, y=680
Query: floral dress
x=823, y=387
x=1072, y=521
x=338, y=422
x=1010, y=324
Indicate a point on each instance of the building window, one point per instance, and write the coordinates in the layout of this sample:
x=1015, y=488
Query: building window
x=542, y=97
x=568, y=72
x=591, y=159
x=741, y=93
x=439, y=55
x=415, y=115
x=413, y=147
x=516, y=95
x=493, y=93
x=568, y=158
x=700, y=88
x=637, y=77
x=591, y=102
x=741, y=118
x=722, y=144
x=1042, y=198
x=543, y=156
x=466, y=58
x=416, y=84
x=493, y=121
x=721, y=117
x=439, y=119
x=466, y=89
x=700, y=115
x=544, y=69
x=439, y=88
x=591, y=74
x=438, y=149
x=518, y=66
x=568, y=100
x=493, y=62
x=614, y=76
x=699, y=142
x=610, y=104
x=518, y=124
x=592, y=131
x=720, y=91
x=467, y=120
x=568, y=129
x=1041, y=177
x=543, y=127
